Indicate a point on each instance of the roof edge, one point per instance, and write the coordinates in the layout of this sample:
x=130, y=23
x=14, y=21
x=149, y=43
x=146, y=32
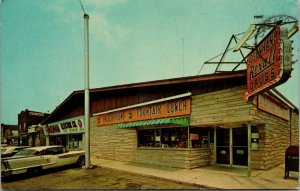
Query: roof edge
x=169, y=81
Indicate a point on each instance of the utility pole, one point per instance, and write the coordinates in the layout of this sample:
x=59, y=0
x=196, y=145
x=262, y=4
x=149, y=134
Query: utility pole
x=86, y=88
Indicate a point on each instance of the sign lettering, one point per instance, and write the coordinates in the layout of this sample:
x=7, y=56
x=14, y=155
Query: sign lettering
x=172, y=108
x=61, y=127
x=270, y=105
x=36, y=113
x=269, y=64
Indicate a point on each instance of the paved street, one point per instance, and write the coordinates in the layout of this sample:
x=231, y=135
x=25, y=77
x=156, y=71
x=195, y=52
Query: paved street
x=97, y=178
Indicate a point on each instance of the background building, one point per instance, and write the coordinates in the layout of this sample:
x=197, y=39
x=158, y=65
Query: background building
x=25, y=119
x=9, y=134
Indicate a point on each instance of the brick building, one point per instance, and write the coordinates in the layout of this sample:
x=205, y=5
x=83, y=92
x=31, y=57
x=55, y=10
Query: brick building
x=183, y=122
x=25, y=120
x=9, y=134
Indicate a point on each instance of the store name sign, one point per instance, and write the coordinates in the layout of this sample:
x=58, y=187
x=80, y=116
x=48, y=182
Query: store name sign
x=74, y=125
x=178, y=107
x=270, y=105
x=36, y=113
x=270, y=63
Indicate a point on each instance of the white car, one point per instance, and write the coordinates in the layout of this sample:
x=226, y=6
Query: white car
x=35, y=159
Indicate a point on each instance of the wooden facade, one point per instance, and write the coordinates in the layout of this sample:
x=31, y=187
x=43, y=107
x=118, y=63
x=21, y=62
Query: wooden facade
x=104, y=99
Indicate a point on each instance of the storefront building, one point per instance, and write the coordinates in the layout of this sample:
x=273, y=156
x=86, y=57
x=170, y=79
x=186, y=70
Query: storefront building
x=68, y=133
x=9, y=134
x=36, y=136
x=26, y=119
x=187, y=122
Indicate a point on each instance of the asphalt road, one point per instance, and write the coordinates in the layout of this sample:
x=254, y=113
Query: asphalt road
x=97, y=178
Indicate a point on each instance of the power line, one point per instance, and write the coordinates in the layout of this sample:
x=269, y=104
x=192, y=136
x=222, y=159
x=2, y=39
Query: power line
x=82, y=7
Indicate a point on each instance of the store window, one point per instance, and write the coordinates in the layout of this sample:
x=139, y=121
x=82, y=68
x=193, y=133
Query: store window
x=74, y=141
x=201, y=137
x=58, y=140
x=163, y=137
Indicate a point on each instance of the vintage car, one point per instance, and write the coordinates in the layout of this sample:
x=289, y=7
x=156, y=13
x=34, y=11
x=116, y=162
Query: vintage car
x=35, y=159
x=9, y=151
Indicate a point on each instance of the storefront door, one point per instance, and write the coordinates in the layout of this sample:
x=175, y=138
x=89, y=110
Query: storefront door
x=237, y=154
x=223, y=152
x=240, y=146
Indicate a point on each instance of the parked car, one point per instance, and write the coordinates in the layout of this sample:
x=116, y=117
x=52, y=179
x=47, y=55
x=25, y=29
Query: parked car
x=9, y=151
x=35, y=159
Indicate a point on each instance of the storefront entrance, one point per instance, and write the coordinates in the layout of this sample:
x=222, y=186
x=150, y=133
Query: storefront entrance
x=240, y=146
x=232, y=146
x=223, y=149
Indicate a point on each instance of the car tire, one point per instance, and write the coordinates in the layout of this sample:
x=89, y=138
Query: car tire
x=81, y=161
x=34, y=171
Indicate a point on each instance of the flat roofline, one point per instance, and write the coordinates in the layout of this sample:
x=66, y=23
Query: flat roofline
x=187, y=79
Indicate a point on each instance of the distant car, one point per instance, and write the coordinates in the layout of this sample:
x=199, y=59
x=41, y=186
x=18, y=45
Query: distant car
x=35, y=159
x=9, y=151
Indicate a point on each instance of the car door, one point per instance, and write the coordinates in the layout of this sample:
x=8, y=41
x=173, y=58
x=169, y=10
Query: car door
x=54, y=155
x=48, y=155
x=64, y=158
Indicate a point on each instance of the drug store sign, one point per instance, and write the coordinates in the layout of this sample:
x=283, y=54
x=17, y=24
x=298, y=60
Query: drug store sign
x=270, y=63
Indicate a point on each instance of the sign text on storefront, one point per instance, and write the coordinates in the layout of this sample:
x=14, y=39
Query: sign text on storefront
x=270, y=105
x=172, y=108
x=73, y=125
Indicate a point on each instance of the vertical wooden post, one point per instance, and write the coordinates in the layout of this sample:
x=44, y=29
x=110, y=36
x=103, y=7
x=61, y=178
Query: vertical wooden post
x=215, y=145
x=188, y=137
x=230, y=148
x=47, y=140
x=249, y=149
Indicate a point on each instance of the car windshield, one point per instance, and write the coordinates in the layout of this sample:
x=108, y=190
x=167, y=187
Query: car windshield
x=27, y=152
x=3, y=150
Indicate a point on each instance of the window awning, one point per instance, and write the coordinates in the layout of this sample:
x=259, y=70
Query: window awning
x=183, y=121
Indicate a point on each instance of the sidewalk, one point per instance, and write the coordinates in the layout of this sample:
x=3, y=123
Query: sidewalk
x=215, y=177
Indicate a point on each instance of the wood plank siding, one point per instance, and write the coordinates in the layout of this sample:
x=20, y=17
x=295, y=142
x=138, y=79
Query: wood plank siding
x=104, y=99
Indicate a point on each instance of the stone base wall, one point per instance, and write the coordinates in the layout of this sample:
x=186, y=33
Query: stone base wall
x=275, y=136
x=108, y=142
x=179, y=158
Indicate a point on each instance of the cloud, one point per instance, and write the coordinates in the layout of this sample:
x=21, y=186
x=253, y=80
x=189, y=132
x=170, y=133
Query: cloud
x=100, y=28
x=122, y=31
x=102, y=3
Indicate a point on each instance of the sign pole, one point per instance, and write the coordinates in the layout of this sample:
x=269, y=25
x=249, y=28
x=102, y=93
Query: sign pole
x=249, y=149
x=86, y=90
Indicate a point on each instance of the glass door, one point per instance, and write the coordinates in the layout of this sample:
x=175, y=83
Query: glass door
x=240, y=146
x=223, y=152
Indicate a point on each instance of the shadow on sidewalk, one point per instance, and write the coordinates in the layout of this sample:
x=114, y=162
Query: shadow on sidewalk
x=227, y=170
x=156, y=167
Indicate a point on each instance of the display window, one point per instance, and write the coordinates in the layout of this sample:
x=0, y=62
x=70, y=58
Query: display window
x=201, y=137
x=58, y=140
x=175, y=137
x=74, y=141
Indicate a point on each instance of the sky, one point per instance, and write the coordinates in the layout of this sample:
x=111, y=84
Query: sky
x=42, y=50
